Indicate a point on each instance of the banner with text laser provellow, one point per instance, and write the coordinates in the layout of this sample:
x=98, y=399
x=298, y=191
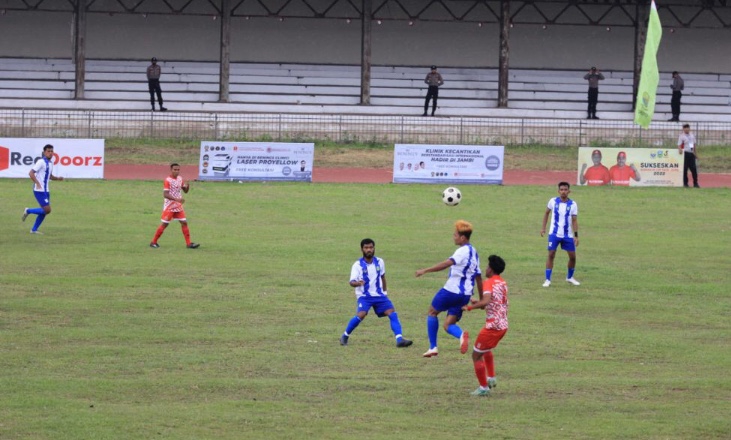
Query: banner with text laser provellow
x=630, y=167
x=72, y=158
x=450, y=164
x=256, y=161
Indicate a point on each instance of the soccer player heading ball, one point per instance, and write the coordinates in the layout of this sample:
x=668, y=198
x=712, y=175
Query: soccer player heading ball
x=464, y=275
x=173, y=206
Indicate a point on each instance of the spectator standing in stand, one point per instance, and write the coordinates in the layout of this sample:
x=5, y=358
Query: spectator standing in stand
x=594, y=76
x=677, y=87
x=434, y=80
x=153, y=84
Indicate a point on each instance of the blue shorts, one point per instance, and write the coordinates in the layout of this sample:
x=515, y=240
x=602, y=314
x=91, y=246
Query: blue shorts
x=451, y=302
x=567, y=243
x=380, y=304
x=44, y=198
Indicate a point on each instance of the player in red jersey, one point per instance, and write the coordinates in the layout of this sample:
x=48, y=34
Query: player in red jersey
x=173, y=207
x=495, y=303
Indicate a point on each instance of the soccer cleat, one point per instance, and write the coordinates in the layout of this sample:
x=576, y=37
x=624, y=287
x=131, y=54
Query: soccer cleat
x=343, y=340
x=432, y=352
x=547, y=283
x=464, y=342
x=573, y=281
x=154, y=245
x=193, y=246
x=404, y=343
x=481, y=392
x=25, y=215
x=36, y=232
x=491, y=382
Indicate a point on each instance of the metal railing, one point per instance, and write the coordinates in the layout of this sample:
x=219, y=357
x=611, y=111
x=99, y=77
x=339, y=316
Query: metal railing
x=350, y=128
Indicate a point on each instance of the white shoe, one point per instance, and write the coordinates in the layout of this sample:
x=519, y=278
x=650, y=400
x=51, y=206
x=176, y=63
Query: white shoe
x=25, y=215
x=547, y=283
x=431, y=353
x=573, y=281
x=36, y=232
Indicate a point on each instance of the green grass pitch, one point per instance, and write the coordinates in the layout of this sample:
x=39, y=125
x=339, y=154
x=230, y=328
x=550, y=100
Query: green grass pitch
x=102, y=337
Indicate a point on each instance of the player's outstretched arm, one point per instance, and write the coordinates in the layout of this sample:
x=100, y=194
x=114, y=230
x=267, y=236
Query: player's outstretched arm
x=436, y=268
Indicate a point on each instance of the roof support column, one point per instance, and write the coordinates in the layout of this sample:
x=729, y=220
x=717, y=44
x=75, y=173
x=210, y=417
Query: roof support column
x=79, y=49
x=365, y=52
x=503, y=69
x=224, y=67
x=641, y=11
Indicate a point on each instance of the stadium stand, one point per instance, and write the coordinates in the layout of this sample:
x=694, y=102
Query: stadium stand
x=303, y=88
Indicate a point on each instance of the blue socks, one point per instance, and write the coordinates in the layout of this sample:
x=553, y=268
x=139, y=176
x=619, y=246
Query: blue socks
x=39, y=219
x=548, y=274
x=432, y=327
x=455, y=331
x=571, y=273
x=36, y=211
x=395, y=325
x=352, y=325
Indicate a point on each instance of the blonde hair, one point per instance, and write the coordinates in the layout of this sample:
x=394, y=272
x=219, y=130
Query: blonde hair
x=464, y=228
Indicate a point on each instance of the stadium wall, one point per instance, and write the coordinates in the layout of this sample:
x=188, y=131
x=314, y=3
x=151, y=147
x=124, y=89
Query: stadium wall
x=328, y=41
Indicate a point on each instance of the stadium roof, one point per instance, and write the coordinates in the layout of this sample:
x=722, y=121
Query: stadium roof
x=709, y=14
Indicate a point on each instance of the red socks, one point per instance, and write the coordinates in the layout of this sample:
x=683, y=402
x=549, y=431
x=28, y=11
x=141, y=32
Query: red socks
x=490, y=363
x=481, y=373
x=158, y=233
x=186, y=234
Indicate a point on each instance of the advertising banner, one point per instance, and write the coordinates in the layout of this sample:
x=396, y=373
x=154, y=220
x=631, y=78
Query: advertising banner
x=630, y=167
x=449, y=164
x=72, y=158
x=256, y=161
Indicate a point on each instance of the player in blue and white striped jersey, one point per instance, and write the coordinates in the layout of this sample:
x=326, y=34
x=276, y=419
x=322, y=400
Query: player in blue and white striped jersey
x=368, y=276
x=41, y=174
x=564, y=231
x=464, y=275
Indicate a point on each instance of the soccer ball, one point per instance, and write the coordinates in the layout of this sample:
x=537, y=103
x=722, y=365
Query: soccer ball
x=451, y=196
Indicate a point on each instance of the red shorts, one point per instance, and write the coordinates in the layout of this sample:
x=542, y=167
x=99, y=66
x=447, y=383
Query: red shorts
x=488, y=339
x=168, y=216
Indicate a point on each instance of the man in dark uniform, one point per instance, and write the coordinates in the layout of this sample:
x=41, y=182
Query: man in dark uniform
x=153, y=84
x=434, y=80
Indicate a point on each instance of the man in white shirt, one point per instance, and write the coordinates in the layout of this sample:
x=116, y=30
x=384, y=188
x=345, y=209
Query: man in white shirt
x=689, y=149
x=564, y=231
x=41, y=174
x=368, y=277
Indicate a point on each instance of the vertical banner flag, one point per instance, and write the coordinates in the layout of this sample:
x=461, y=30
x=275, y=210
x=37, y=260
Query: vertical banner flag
x=650, y=76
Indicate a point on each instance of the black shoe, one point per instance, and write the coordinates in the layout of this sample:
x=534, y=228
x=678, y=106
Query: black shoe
x=588, y=117
x=424, y=114
x=163, y=109
x=153, y=109
x=193, y=246
x=404, y=343
x=594, y=117
x=154, y=245
x=686, y=186
x=673, y=120
x=696, y=186
x=343, y=340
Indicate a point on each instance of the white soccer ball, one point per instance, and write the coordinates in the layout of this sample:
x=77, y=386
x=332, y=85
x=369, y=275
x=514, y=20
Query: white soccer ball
x=451, y=196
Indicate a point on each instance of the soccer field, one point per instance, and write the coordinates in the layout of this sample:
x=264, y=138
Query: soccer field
x=102, y=337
